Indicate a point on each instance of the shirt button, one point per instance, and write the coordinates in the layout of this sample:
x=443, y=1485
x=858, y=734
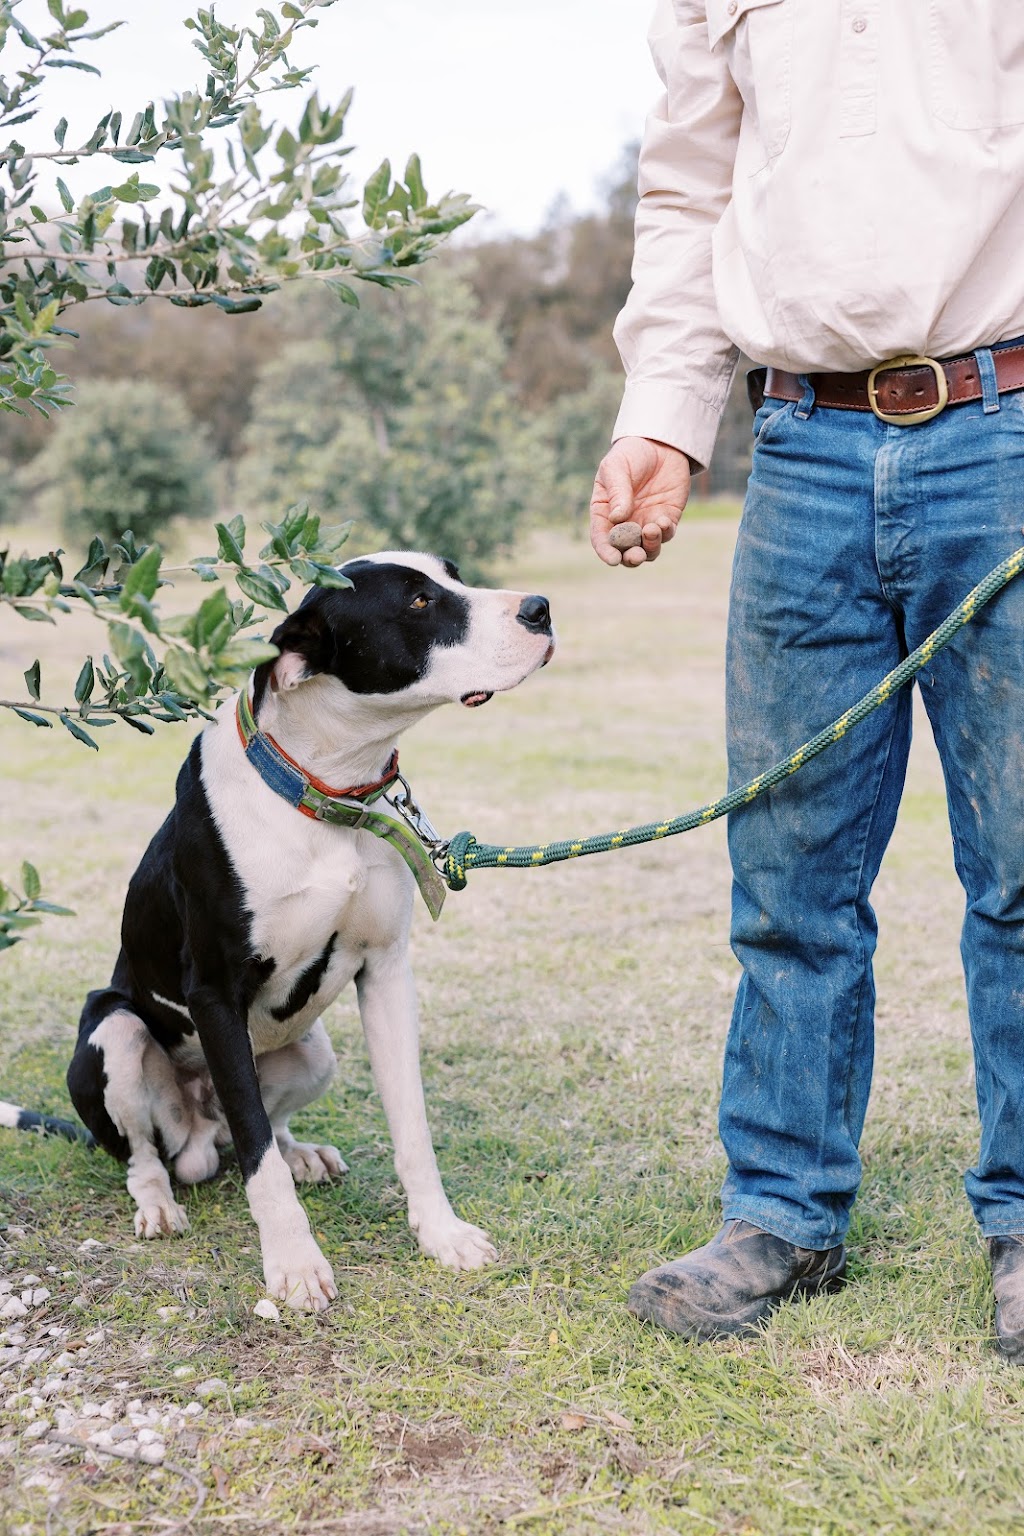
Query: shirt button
x=860, y=25
x=733, y=7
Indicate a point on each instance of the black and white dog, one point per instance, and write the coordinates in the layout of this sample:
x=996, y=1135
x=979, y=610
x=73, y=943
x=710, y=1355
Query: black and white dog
x=246, y=918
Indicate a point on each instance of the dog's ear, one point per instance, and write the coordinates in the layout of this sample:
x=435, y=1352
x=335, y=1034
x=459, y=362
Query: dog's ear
x=304, y=642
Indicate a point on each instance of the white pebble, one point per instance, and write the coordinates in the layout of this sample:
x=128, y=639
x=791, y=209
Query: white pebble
x=214, y=1386
x=101, y=1438
x=51, y=1269
x=191, y=1409
x=5, y=1286
x=90, y=1410
x=42, y=1479
x=79, y=1302
x=39, y=1295
x=64, y=1362
x=147, y=1437
x=32, y=1355
x=245, y=1423
x=266, y=1308
x=9, y=1355
x=34, y=1431
x=182, y=1372
x=90, y=1242
x=154, y=1454
x=31, y=1280
x=166, y=1312
x=97, y=1337
x=13, y=1307
x=15, y=1231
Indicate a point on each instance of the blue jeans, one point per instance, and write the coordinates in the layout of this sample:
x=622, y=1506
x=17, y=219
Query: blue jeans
x=857, y=539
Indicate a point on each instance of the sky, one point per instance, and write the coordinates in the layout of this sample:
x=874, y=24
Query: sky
x=517, y=102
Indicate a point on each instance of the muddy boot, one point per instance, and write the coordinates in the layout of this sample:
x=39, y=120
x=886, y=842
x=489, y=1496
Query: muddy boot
x=734, y=1281
x=1006, y=1255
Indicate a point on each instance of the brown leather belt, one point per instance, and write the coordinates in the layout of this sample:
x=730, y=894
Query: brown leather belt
x=905, y=390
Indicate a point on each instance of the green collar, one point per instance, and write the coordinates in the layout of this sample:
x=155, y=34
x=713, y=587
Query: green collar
x=409, y=833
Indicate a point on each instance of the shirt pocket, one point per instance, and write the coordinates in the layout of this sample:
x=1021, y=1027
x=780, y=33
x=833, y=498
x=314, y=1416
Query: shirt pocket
x=756, y=37
x=976, y=63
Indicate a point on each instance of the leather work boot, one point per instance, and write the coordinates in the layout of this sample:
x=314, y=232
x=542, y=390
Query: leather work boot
x=734, y=1281
x=1006, y=1255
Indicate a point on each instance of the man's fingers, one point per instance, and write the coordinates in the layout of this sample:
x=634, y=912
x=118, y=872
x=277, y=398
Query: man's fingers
x=652, y=540
x=619, y=494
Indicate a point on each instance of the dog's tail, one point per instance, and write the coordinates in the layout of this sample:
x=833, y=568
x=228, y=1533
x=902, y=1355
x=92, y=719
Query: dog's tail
x=14, y=1118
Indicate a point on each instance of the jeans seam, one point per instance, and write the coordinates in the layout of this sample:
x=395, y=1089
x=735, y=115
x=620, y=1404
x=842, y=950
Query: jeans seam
x=857, y=898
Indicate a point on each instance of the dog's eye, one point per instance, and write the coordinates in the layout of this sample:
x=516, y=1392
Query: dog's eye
x=420, y=601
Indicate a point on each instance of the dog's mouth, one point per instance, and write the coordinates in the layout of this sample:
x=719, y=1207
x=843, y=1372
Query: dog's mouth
x=548, y=654
x=474, y=700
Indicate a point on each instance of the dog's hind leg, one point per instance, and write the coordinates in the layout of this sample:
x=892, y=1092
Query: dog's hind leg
x=291, y=1078
x=142, y=1097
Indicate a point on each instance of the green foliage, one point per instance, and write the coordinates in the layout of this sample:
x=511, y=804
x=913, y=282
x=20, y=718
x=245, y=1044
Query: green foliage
x=275, y=218
x=8, y=489
x=202, y=651
x=22, y=910
x=130, y=456
x=399, y=415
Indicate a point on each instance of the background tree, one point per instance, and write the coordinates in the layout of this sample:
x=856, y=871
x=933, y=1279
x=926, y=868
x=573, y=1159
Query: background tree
x=399, y=417
x=128, y=456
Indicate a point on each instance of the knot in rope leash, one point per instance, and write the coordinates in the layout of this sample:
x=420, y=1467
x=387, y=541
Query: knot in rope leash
x=464, y=853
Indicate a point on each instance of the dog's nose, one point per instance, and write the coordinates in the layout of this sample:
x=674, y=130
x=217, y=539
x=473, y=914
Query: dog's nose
x=535, y=614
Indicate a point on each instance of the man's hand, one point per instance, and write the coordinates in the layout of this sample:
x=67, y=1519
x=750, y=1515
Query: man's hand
x=643, y=482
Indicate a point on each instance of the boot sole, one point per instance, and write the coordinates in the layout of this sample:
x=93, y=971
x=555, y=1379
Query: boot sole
x=693, y=1323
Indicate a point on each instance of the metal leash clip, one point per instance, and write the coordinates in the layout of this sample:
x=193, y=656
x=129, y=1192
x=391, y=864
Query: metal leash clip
x=404, y=802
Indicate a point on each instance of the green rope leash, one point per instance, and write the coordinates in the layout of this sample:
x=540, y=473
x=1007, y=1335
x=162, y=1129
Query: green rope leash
x=465, y=853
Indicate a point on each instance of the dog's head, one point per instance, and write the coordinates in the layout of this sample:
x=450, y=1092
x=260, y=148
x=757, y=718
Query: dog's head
x=410, y=634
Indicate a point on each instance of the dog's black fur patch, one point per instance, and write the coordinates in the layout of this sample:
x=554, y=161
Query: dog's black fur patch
x=185, y=936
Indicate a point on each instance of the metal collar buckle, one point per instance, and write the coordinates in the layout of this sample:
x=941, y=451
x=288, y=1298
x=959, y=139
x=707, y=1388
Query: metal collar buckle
x=403, y=801
x=909, y=418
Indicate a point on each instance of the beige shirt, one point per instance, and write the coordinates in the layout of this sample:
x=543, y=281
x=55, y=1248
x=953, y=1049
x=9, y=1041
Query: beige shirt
x=824, y=184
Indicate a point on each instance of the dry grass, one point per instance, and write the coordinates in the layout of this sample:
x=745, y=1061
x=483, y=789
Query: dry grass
x=573, y=1026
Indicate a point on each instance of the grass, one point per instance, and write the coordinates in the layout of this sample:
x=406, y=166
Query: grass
x=573, y=1028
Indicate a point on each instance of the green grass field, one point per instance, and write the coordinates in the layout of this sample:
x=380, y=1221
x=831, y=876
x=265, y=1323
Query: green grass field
x=573, y=1022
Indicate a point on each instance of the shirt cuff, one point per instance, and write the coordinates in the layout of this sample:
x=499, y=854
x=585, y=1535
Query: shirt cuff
x=669, y=414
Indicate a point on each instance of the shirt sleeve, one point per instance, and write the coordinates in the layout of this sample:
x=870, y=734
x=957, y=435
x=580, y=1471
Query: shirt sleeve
x=679, y=362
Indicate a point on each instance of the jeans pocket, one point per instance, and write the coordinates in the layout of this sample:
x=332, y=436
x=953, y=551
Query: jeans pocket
x=770, y=414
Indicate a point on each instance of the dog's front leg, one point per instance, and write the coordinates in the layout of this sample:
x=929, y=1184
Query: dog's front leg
x=295, y=1270
x=387, y=1007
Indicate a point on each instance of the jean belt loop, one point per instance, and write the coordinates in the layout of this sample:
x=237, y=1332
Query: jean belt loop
x=987, y=374
x=806, y=405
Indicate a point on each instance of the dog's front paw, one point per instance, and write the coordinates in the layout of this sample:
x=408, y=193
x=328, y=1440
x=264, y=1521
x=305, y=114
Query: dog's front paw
x=456, y=1244
x=312, y=1164
x=160, y=1218
x=300, y=1277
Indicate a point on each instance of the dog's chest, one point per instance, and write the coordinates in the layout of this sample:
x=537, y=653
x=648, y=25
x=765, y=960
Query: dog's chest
x=318, y=897
x=315, y=916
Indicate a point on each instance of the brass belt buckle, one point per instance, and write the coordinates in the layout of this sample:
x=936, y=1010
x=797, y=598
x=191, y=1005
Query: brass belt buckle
x=909, y=418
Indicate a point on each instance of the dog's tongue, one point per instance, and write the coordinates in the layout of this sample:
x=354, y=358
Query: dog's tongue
x=473, y=700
